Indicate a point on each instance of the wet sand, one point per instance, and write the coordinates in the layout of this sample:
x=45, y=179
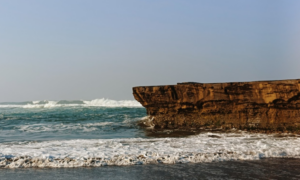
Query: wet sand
x=260, y=169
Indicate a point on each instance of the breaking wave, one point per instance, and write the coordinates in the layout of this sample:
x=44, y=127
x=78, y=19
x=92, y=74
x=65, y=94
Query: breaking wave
x=205, y=147
x=63, y=103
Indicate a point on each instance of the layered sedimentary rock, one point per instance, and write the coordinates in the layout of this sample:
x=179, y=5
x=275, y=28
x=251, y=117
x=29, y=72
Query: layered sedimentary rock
x=261, y=105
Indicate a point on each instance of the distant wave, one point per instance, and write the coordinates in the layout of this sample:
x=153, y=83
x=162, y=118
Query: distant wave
x=103, y=102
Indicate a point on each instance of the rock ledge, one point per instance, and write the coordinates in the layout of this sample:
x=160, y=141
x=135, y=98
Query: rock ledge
x=260, y=105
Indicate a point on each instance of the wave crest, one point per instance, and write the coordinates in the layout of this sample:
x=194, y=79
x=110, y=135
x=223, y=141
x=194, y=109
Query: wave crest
x=103, y=102
x=112, y=103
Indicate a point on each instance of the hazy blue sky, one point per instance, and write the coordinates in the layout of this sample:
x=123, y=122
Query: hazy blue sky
x=88, y=49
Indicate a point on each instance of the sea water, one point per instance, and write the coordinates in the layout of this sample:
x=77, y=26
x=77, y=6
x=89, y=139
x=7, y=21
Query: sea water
x=105, y=132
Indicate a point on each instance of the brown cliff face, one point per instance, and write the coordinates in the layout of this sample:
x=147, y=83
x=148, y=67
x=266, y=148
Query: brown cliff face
x=261, y=105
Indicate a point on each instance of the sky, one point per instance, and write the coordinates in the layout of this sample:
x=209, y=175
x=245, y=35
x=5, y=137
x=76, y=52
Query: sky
x=84, y=50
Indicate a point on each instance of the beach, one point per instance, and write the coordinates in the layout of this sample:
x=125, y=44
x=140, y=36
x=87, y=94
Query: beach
x=259, y=169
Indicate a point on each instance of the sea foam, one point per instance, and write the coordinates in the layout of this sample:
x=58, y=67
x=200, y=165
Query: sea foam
x=85, y=127
x=103, y=102
x=205, y=147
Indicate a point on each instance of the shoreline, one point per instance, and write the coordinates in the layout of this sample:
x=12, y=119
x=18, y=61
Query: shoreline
x=269, y=168
x=168, y=148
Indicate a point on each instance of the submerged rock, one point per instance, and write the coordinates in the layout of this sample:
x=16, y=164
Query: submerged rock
x=269, y=106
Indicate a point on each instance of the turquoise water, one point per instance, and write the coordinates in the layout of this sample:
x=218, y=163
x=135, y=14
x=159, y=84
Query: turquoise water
x=65, y=123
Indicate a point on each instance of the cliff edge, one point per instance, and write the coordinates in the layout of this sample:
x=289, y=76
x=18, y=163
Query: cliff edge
x=259, y=105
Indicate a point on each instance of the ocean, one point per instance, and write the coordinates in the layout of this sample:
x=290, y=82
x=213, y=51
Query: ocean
x=97, y=135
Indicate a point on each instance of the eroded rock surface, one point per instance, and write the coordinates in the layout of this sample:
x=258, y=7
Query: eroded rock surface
x=261, y=105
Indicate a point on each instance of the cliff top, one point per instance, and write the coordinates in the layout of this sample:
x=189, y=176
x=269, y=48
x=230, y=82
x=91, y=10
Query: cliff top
x=245, y=82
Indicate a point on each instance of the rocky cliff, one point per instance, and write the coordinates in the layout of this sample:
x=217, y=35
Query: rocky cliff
x=261, y=105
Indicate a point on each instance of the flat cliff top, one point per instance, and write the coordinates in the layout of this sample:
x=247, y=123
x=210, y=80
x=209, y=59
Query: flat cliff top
x=284, y=81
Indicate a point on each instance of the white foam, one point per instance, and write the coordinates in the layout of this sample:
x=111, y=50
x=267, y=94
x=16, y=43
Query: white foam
x=48, y=104
x=88, y=127
x=10, y=106
x=96, y=102
x=98, y=152
x=112, y=103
